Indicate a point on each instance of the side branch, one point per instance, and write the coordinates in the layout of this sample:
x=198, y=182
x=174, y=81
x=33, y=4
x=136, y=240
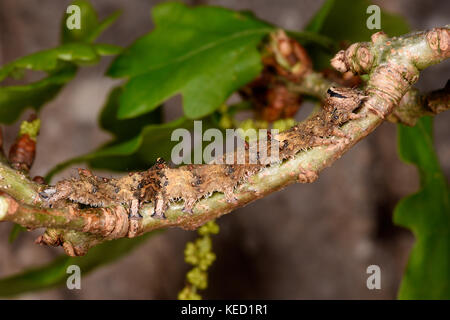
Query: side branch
x=110, y=223
x=415, y=105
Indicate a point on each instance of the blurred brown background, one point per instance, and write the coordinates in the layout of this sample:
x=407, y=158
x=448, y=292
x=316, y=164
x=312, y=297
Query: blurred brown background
x=306, y=242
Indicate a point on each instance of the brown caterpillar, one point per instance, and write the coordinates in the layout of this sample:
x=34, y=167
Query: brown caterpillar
x=189, y=183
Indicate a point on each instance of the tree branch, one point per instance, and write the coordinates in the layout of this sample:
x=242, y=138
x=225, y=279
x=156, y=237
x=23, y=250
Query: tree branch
x=393, y=66
x=314, y=84
x=415, y=105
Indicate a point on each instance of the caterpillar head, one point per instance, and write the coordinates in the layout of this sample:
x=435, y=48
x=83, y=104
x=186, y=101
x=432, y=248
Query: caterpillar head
x=341, y=102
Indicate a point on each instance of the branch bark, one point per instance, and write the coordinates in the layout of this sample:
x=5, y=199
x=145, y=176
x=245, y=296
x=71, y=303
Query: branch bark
x=393, y=66
x=415, y=105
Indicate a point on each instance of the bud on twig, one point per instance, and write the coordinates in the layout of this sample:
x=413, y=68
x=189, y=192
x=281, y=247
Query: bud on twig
x=292, y=60
x=23, y=151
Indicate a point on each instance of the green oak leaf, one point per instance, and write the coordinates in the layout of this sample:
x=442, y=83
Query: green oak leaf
x=318, y=20
x=137, y=153
x=343, y=21
x=91, y=26
x=15, y=99
x=204, y=53
x=16, y=230
x=306, y=38
x=337, y=13
x=54, y=59
x=127, y=128
x=60, y=65
x=427, y=214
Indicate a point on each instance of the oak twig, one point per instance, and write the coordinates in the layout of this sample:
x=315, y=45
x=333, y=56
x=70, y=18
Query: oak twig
x=415, y=105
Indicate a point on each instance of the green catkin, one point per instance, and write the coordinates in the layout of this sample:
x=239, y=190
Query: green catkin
x=226, y=120
x=283, y=124
x=253, y=124
x=199, y=254
x=31, y=128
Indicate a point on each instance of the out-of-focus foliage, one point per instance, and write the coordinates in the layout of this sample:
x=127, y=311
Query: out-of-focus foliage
x=136, y=153
x=91, y=28
x=345, y=22
x=55, y=273
x=427, y=214
x=204, y=53
x=59, y=64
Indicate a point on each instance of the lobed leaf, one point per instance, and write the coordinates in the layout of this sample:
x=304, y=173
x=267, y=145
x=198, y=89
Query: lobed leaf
x=427, y=214
x=16, y=230
x=126, y=128
x=91, y=27
x=60, y=64
x=15, y=99
x=346, y=24
x=204, y=53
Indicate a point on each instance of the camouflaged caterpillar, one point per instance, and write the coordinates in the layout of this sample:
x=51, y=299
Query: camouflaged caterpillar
x=189, y=183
